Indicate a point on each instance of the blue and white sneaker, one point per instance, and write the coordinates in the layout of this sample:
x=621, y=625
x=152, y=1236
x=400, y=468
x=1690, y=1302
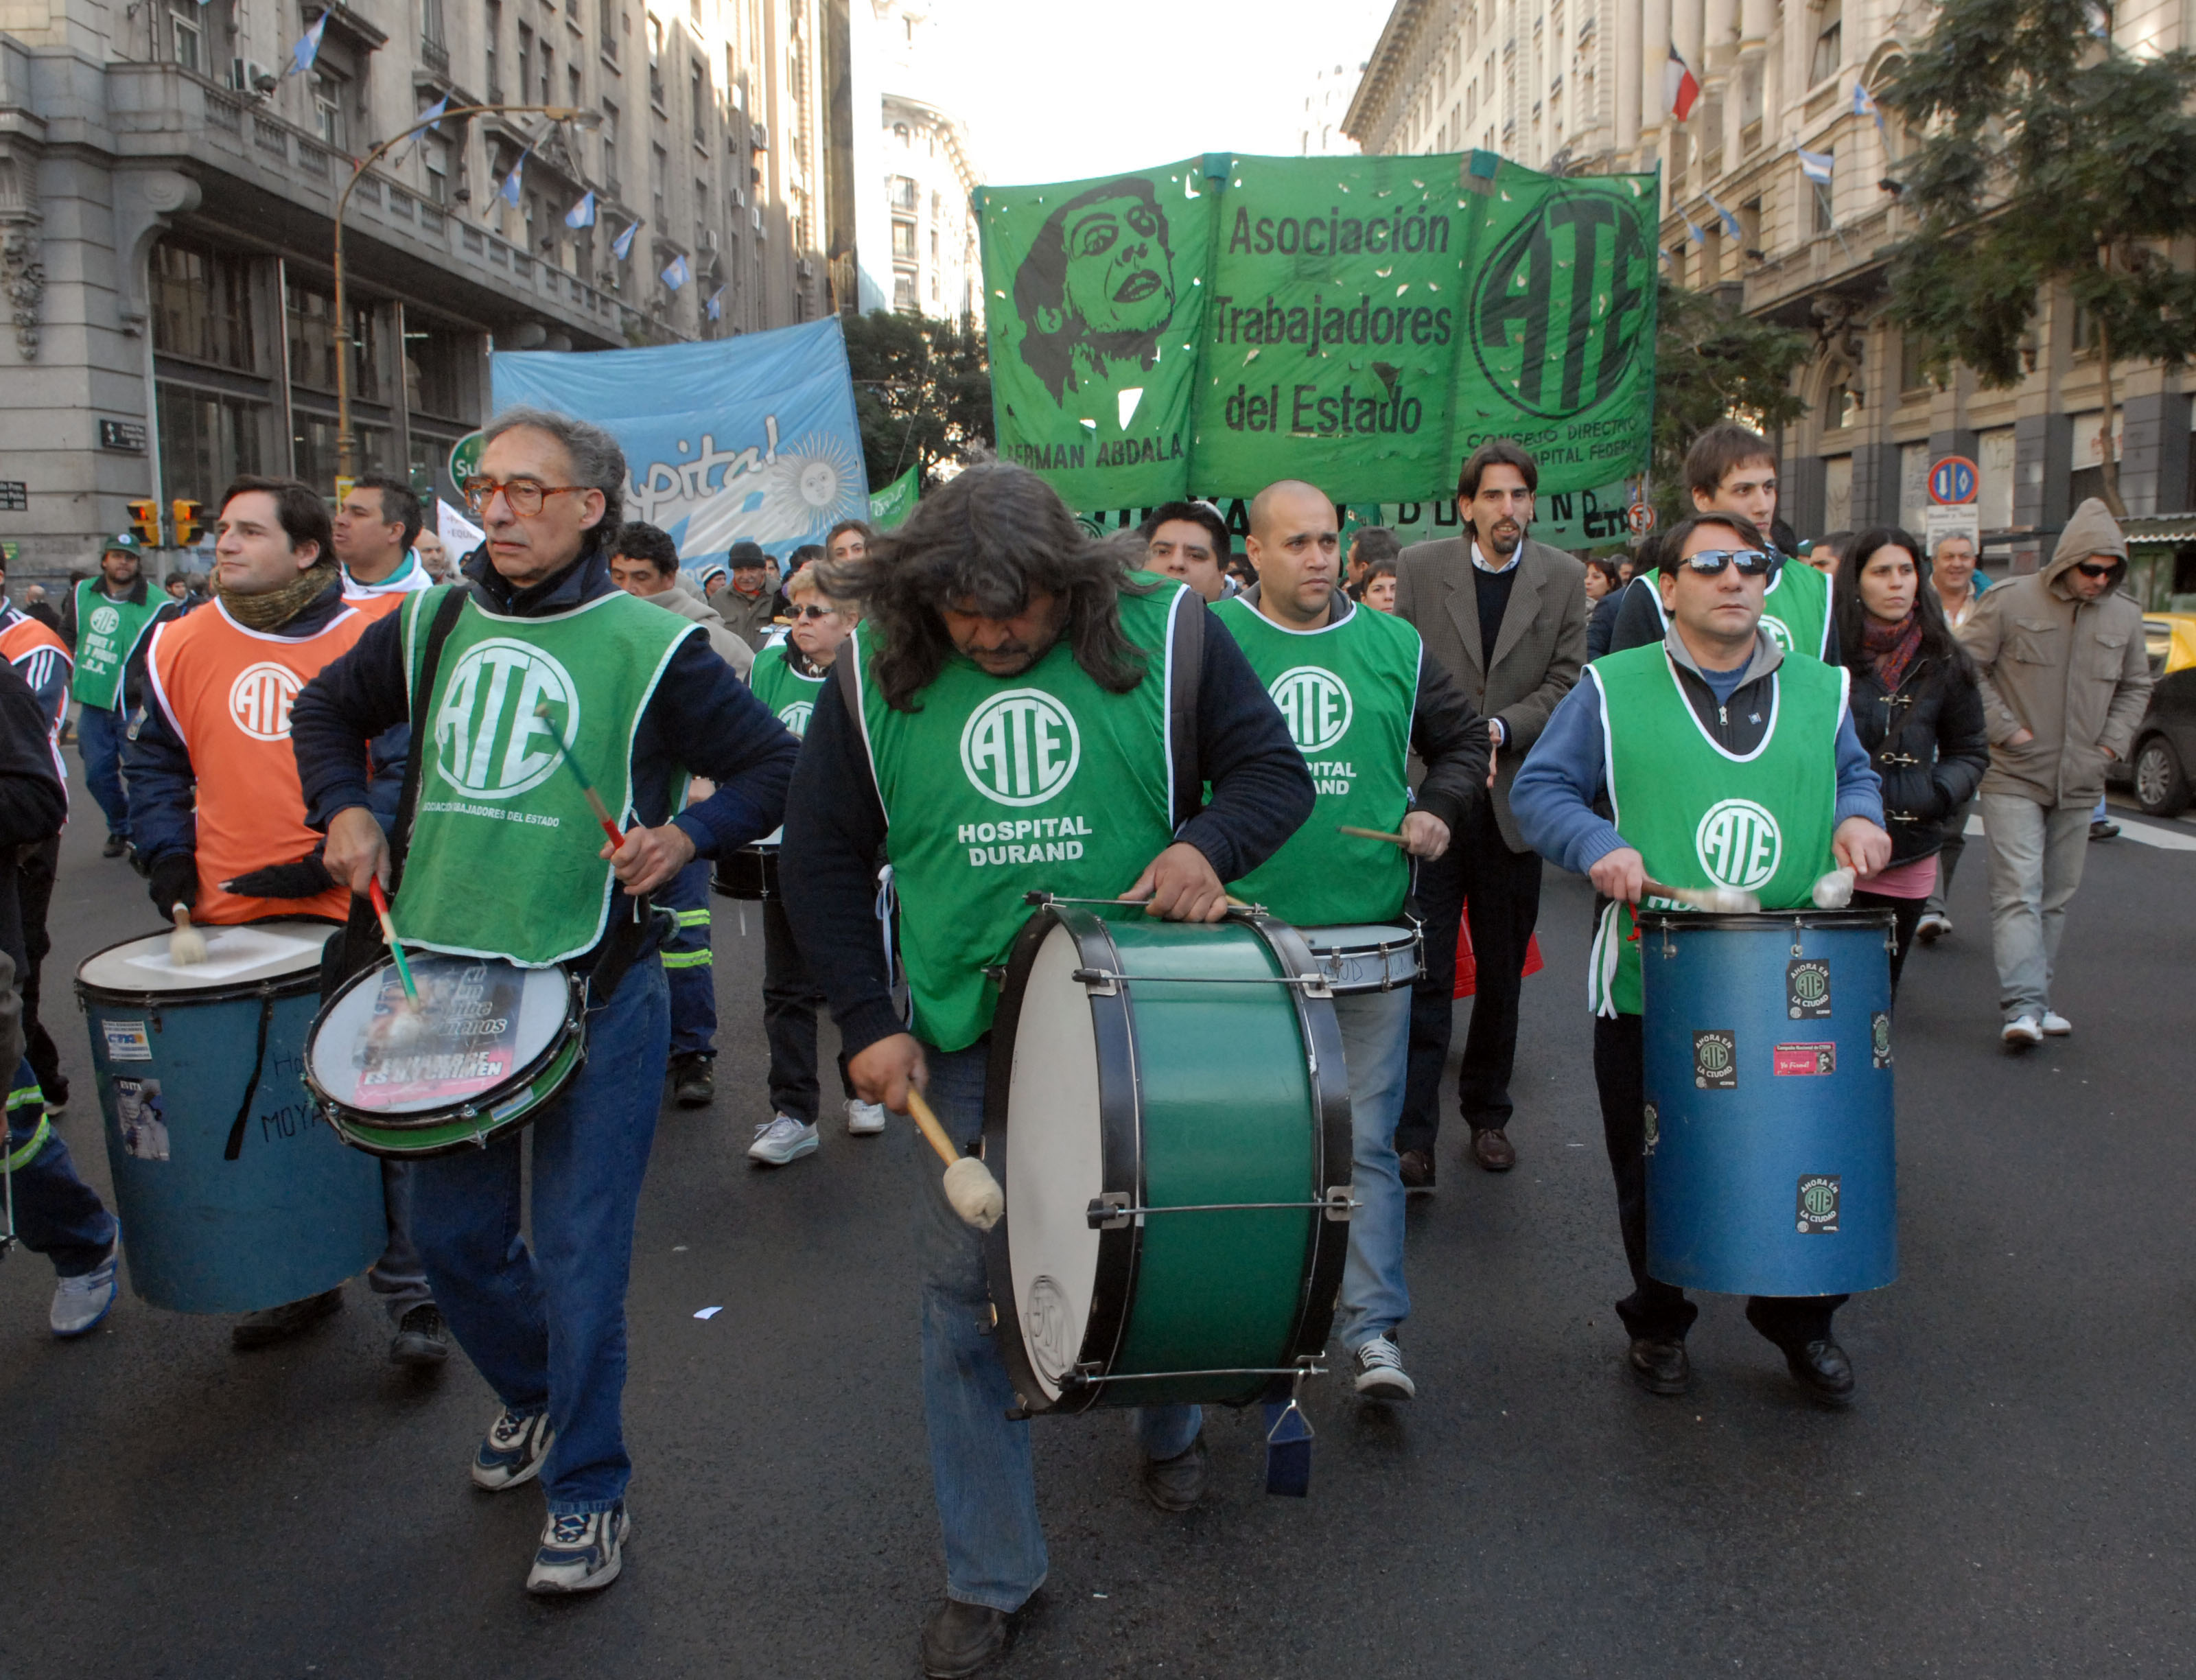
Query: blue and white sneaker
x=79, y=1303
x=513, y=1450
x=580, y=1550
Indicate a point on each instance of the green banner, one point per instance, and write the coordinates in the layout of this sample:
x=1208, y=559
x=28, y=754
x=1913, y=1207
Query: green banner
x=1560, y=324
x=891, y=506
x=1095, y=295
x=1363, y=323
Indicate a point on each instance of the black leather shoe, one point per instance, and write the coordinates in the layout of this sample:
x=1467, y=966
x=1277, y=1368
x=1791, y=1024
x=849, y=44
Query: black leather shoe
x=2104, y=830
x=115, y=846
x=1492, y=1149
x=421, y=1338
x=270, y=1325
x=1823, y=1371
x=960, y=1639
x=1173, y=1484
x=693, y=1081
x=1660, y=1365
x=1416, y=1167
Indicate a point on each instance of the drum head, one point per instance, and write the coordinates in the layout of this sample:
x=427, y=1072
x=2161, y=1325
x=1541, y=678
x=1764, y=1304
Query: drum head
x=481, y=1024
x=242, y=955
x=1055, y=1165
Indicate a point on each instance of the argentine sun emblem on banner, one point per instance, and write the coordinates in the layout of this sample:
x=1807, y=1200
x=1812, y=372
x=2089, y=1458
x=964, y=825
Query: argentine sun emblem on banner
x=751, y=438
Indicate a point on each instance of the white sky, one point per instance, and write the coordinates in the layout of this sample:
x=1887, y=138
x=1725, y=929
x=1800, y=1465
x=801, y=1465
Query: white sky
x=1059, y=89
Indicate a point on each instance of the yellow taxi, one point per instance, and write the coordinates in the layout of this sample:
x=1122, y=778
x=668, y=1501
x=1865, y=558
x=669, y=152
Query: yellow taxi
x=2166, y=740
x=2171, y=640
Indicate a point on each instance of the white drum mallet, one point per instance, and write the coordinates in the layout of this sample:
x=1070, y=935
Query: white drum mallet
x=975, y=1193
x=187, y=946
x=1835, y=891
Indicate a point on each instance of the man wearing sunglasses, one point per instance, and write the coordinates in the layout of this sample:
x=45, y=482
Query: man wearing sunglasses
x=1716, y=711
x=2060, y=659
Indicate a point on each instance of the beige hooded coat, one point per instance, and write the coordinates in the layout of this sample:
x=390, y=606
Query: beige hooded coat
x=2073, y=672
x=723, y=642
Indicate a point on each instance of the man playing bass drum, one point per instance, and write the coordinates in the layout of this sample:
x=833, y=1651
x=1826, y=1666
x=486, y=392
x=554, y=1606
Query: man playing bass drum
x=1358, y=695
x=992, y=603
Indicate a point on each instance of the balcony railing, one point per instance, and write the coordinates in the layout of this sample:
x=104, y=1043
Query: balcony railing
x=436, y=55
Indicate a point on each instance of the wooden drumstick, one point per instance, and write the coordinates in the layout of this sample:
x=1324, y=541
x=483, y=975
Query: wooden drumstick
x=1370, y=834
x=970, y=1186
x=1717, y=900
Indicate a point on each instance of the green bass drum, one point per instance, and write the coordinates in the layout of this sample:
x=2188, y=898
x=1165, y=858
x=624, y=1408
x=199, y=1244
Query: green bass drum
x=1169, y=1113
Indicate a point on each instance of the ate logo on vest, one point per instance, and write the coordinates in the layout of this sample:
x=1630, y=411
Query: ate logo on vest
x=1020, y=748
x=489, y=743
x=1779, y=631
x=1316, y=705
x=795, y=717
x=259, y=700
x=1739, y=844
x=104, y=621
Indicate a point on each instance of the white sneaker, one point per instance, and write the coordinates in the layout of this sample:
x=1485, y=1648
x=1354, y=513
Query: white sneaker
x=512, y=1450
x=2056, y=1026
x=864, y=1119
x=580, y=1550
x=79, y=1303
x=1380, y=1373
x=2022, y=1032
x=784, y=1139
x=1932, y=927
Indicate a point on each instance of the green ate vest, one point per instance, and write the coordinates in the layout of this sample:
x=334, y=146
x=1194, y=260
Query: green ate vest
x=1346, y=692
x=1000, y=786
x=1796, y=610
x=106, y=632
x=502, y=856
x=1701, y=817
x=790, y=696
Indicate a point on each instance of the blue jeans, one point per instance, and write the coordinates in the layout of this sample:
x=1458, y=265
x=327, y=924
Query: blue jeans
x=979, y=1462
x=57, y=1214
x=688, y=966
x=99, y=736
x=1376, y=1044
x=398, y=1277
x=546, y=1328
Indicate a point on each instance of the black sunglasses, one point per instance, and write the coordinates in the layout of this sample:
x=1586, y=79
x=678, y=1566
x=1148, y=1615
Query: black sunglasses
x=2089, y=568
x=1709, y=562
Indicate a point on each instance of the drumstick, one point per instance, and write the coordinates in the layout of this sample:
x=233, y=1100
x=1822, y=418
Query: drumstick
x=187, y=946
x=594, y=799
x=1369, y=833
x=970, y=1186
x=389, y=933
x=1717, y=900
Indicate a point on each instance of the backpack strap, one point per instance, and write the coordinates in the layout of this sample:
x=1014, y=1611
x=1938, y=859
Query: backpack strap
x=1185, y=677
x=438, y=633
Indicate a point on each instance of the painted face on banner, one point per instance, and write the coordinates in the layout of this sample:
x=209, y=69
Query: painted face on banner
x=1120, y=274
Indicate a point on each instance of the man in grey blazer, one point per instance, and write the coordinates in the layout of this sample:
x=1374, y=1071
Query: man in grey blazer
x=1505, y=618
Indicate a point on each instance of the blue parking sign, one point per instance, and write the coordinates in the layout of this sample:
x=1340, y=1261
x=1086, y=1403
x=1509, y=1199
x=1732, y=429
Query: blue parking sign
x=1952, y=481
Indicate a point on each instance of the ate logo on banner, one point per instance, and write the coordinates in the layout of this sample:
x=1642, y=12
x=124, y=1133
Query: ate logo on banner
x=1316, y=705
x=259, y=700
x=489, y=742
x=1739, y=844
x=1557, y=312
x=1020, y=748
x=795, y=717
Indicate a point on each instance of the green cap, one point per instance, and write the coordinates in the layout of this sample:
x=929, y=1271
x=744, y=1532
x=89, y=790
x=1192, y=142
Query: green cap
x=128, y=541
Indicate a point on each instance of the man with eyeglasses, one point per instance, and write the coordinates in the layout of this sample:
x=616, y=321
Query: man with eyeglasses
x=1716, y=710
x=503, y=858
x=2064, y=678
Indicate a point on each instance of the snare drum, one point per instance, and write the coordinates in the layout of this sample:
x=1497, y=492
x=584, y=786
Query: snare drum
x=1169, y=1114
x=234, y=1198
x=1366, y=957
x=750, y=873
x=489, y=1045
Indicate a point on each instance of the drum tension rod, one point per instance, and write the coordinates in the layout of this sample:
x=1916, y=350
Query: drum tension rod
x=1037, y=899
x=1114, y=1210
x=1086, y=1377
x=1106, y=982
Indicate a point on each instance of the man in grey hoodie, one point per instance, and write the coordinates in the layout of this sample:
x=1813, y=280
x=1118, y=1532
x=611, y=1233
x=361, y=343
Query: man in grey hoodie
x=2060, y=659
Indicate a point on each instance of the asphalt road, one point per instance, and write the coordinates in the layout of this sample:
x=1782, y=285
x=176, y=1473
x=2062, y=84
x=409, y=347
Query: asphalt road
x=2010, y=1497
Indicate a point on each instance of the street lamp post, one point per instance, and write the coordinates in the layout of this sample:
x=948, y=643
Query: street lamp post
x=346, y=445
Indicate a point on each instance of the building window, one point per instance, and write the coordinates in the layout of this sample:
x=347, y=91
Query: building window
x=904, y=293
x=525, y=62
x=202, y=305
x=207, y=440
x=311, y=316
x=434, y=45
x=189, y=42
x=1829, y=41
x=903, y=239
x=440, y=372
x=655, y=61
x=492, y=32
x=1842, y=405
x=609, y=41
x=904, y=194
x=610, y=149
x=434, y=156
x=656, y=186
x=327, y=111
x=698, y=84
x=1913, y=360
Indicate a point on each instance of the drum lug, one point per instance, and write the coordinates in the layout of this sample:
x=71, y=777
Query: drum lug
x=1110, y=1212
x=1341, y=1203
x=1315, y=986
x=1102, y=982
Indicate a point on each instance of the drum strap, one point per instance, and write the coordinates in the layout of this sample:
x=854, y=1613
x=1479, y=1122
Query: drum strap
x=1185, y=676
x=235, y=1146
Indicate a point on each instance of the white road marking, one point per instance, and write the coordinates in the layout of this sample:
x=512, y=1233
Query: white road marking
x=2169, y=838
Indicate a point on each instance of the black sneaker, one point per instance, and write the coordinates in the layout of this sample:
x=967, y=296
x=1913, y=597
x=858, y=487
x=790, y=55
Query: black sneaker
x=115, y=846
x=1174, y=1484
x=2102, y=830
x=693, y=1080
x=270, y=1325
x=960, y=1638
x=421, y=1338
x=1416, y=1168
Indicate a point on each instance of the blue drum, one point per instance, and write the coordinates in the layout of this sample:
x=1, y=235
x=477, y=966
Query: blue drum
x=231, y=1192
x=1770, y=1164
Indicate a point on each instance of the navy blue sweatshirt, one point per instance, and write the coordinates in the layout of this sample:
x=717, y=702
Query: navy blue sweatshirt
x=835, y=826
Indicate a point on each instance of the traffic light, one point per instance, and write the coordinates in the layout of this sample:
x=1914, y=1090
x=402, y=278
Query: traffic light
x=146, y=516
x=188, y=519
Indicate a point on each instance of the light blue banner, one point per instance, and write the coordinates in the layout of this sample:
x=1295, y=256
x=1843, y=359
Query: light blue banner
x=753, y=437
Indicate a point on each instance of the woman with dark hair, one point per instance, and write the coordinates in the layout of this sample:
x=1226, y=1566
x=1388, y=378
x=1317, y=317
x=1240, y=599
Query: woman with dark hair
x=1604, y=589
x=1914, y=708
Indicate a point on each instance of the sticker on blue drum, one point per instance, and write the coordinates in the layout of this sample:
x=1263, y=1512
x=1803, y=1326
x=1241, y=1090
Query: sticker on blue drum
x=1804, y=1061
x=126, y=1040
x=1879, y=1037
x=1818, y=1204
x=1715, y=1061
x=1807, y=989
x=140, y=1118
x=1651, y=1127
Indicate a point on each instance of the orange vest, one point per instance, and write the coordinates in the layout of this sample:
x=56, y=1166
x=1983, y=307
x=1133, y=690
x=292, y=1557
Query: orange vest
x=21, y=640
x=225, y=692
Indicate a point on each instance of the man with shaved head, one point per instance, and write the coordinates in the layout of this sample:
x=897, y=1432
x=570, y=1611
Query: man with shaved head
x=1359, y=696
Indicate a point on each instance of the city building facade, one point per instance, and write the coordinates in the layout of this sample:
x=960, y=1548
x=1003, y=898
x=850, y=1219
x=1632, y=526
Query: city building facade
x=168, y=175
x=1586, y=86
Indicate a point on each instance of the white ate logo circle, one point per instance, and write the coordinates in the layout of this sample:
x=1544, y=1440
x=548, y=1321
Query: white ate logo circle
x=1779, y=631
x=259, y=700
x=104, y=621
x=795, y=717
x=489, y=742
x=1020, y=748
x=1739, y=844
x=1316, y=704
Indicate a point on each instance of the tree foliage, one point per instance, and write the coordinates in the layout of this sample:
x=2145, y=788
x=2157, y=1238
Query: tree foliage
x=1713, y=363
x=2051, y=157
x=922, y=389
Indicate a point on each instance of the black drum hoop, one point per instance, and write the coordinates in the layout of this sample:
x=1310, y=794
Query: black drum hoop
x=1756, y=921
x=576, y=1022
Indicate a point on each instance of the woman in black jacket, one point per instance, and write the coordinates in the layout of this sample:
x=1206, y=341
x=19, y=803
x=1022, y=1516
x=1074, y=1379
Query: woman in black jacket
x=1915, y=709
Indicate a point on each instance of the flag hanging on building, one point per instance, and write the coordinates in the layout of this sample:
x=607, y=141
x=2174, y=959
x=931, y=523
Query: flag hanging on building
x=309, y=47
x=1863, y=105
x=621, y=246
x=1680, y=86
x=582, y=214
x=1730, y=221
x=1816, y=165
x=433, y=116
x=675, y=273
x=513, y=182
x=715, y=307
x=1692, y=232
